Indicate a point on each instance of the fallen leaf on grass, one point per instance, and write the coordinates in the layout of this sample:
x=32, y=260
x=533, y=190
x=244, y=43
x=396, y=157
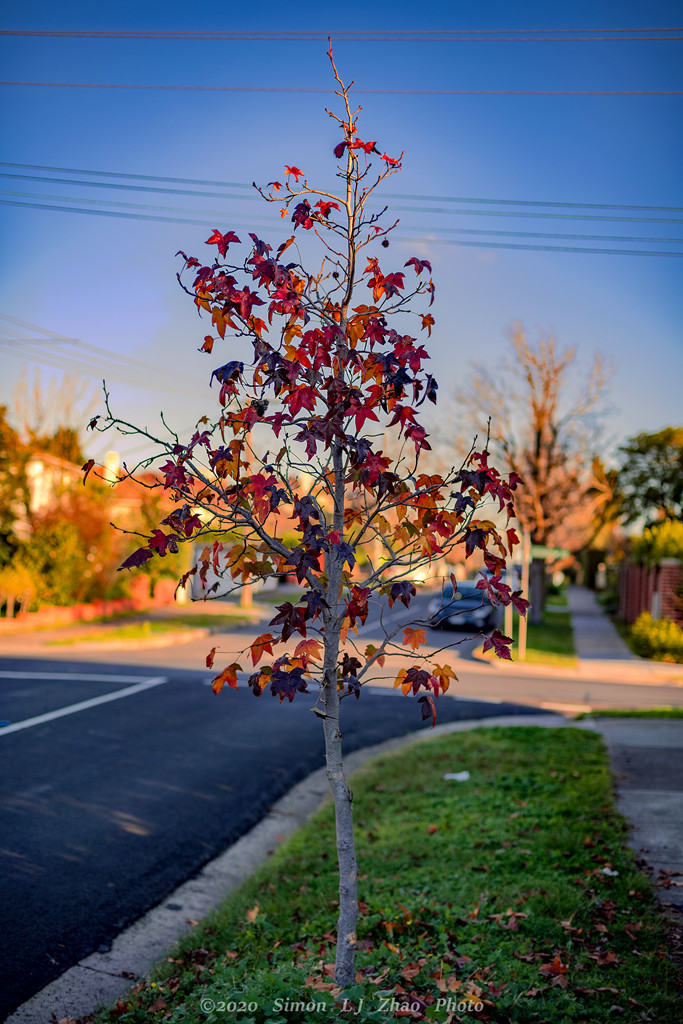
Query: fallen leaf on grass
x=528, y=958
x=557, y=971
x=605, y=958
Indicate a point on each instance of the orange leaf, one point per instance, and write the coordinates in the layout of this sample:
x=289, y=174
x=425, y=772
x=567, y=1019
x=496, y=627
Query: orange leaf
x=398, y=681
x=428, y=322
x=208, y=344
x=309, y=649
x=253, y=913
x=444, y=674
x=414, y=637
x=229, y=676
x=371, y=650
x=262, y=645
x=210, y=656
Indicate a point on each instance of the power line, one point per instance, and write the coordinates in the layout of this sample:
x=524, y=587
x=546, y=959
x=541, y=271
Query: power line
x=546, y=248
x=212, y=216
x=390, y=195
x=535, y=214
x=489, y=245
x=134, y=188
x=121, y=174
x=53, y=350
x=364, y=35
x=331, y=92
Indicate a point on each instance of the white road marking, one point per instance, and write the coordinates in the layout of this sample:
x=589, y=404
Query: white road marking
x=67, y=675
x=83, y=705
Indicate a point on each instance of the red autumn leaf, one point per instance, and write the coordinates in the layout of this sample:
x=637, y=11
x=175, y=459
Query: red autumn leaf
x=138, y=557
x=222, y=241
x=500, y=644
x=295, y=171
x=418, y=265
x=208, y=344
x=210, y=657
x=428, y=710
x=556, y=968
x=86, y=468
x=229, y=676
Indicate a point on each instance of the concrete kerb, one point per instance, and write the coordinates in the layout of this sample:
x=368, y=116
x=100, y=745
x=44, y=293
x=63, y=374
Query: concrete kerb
x=102, y=977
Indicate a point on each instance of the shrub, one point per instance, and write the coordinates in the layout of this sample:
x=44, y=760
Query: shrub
x=665, y=540
x=661, y=639
x=17, y=589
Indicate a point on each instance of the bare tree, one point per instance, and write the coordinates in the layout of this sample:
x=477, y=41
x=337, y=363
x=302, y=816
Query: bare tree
x=545, y=426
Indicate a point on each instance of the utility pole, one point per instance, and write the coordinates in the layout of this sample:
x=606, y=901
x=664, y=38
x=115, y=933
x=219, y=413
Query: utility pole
x=526, y=549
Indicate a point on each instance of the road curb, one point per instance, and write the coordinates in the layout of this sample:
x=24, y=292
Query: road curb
x=103, y=977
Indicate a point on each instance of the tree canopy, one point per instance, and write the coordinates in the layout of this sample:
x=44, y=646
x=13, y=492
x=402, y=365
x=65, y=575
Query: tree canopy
x=289, y=472
x=544, y=427
x=651, y=475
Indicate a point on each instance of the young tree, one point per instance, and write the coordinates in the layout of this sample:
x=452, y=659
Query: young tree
x=288, y=478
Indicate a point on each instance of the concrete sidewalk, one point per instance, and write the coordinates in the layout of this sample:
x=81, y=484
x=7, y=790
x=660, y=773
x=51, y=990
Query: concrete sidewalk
x=646, y=756
x=595, y=637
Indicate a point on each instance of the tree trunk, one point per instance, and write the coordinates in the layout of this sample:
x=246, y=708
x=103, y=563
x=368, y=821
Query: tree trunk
x=345, y=971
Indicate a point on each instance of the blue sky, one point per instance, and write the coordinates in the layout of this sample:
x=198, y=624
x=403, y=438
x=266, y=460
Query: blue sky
x=110, y=280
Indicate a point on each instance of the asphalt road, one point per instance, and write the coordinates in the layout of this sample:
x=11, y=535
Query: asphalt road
x=109, y=806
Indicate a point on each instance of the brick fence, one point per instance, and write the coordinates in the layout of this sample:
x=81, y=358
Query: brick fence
x=651, y=589
x=52, y=615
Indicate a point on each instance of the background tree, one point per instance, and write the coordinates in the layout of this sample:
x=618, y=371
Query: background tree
x=12, y=484
x=545, y=428
x=49, y=417
x=651, y=475
x=289, y=472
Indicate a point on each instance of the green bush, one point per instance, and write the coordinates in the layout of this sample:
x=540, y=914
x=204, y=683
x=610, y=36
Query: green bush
x=661, y=639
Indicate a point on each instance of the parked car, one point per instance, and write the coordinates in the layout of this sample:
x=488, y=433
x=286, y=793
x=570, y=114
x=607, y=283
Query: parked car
x=467, y=608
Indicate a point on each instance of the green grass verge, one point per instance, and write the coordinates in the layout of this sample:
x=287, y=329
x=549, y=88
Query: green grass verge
x=663, y=712
x=509, y=897
x=134, y=631
x=549, y=643
x=558, y=600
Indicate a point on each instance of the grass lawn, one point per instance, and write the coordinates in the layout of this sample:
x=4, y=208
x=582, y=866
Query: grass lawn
x=549, y=643
x=148, y=627
x=552, y=641
x=133, y=631
x=509, y=897
x=557, y=600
